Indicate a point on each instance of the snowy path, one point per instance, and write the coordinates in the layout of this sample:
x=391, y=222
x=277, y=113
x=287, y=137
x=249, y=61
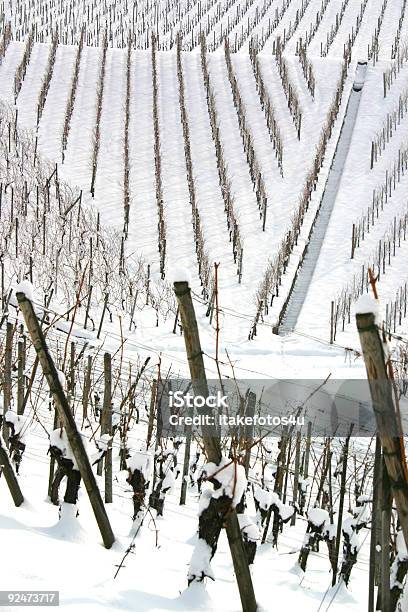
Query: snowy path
x=307, y=269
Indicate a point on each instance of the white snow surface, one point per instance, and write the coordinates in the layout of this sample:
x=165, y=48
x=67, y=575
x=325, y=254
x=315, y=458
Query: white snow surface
x=27, y=288
x=317, y=516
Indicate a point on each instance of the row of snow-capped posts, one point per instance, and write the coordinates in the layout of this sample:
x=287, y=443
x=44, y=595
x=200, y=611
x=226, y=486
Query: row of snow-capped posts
x=387, y=244
x=217, y=21
x=288, y=87
x=334, y=28
x=72, y=96
x=225, y=21
x=314, y=25
x=161, y=224
x=47, y=77
x=5, y=38
x=396, y=43
x=189, y=19
x=250, y=25
x=293, y=26
x=23, y=65
x=307, y=67
x=348, y=45
x=247, y=140
x=374, y=47
x=223, y=175
x=268, y=288
x=259, y=39
x=126, y=160
x=203, y=261
x=395, y=309
x=208, y=16
x=389, y=127
x=380, y=196
x=266, y=104
x=99, y=104
x=390, y=74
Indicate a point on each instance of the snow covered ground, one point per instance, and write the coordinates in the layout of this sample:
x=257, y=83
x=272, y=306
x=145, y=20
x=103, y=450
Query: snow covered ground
x=45, y=553
x=39, y=550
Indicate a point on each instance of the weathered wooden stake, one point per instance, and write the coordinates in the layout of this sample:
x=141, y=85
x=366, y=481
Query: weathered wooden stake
x=383, y=405
x=341, y=505
x=66, y=417
x=211, y=440
x=106, y=424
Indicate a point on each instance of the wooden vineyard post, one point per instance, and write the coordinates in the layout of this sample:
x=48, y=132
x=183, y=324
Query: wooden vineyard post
x=341, y=504
x=307, y=450
x=331, y=322
x=8, y=356
x=374, y=520
x=87, y=388
x=296, y=477
x=10, y=476
x=386, y=418
x=249, y=430
x=386, y=510
x=153, y=402
x=211, y=440
x=186, y=464
x=106, y=424
x=21, y=358
x=66, y=417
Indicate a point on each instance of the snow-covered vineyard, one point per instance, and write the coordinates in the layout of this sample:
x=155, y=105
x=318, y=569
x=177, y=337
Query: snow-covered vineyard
x=256, y=150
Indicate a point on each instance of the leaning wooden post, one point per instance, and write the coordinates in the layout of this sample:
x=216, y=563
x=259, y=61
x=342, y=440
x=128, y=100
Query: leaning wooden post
x=211, y=440
x=10, y=476
x=66, y=417
x=384, y=410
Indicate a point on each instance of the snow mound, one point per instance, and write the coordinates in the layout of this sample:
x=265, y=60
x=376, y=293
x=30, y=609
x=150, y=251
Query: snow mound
x=231, y=477
x=140, y=461
x=27, y=288
x=317, y=516
x=365, y=304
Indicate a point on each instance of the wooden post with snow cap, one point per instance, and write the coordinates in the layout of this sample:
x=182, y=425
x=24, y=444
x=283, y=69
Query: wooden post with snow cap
x=389, y=430
x=211, y=440
x=66, y=417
